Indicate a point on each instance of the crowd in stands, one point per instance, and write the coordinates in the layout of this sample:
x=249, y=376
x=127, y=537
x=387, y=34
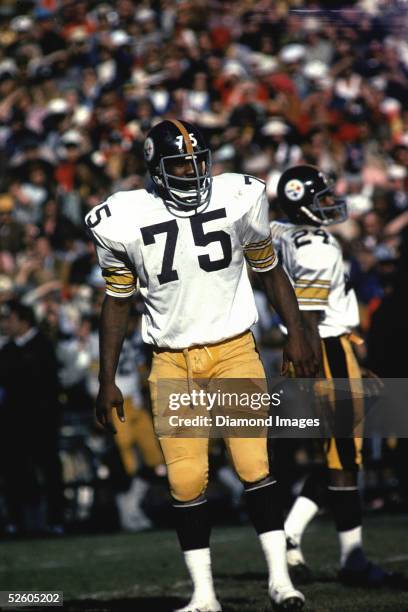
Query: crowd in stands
x=270, y=84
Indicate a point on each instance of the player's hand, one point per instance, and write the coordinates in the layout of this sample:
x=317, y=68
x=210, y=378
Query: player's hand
x=374, y=384
x=299, y=352
x=109, y=398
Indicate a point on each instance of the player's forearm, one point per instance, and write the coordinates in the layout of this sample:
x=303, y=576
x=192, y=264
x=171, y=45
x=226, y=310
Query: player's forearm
x=311, y=320
x=112, y=330
x=281, y=295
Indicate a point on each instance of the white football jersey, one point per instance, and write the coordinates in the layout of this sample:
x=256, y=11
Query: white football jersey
x=313, y=260
x=191, y=269
x=127, y=375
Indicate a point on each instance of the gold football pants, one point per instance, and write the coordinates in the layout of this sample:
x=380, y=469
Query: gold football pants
x=187, y=458
x=136, y=432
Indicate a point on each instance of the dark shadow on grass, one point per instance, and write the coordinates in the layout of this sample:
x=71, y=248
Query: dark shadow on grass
x=262, y=577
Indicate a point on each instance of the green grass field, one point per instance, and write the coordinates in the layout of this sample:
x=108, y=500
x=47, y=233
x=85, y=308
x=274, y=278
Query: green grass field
x=145, y=573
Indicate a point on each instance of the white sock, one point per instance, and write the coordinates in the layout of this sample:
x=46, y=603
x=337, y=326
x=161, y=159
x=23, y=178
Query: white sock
x=349, y=541
x=198, y=563
x=274, y=546
x=300, y=515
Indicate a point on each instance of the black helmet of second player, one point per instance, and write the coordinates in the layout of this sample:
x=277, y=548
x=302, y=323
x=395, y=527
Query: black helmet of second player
x=173, y=142
x=306, y=196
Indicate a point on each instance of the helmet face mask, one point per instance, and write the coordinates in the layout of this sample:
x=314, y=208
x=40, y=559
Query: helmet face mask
x=193, y=188
x=325, y=213
x=307, y=197
x=179, y=163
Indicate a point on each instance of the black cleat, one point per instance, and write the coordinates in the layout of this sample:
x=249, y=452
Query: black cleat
x=373, y=577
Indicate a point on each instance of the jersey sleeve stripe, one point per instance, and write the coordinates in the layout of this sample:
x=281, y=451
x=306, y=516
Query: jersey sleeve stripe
x=124, y=279
x=311, y=281
x=116, y=286
x=259, y=262
x=259, y=254
x=312, y=292
x=116, y=271
x=121, y=294
x=119, y=281
x=319, y=304
x=267, y=263
x=260, y=244
x=119, y=289
x=312, y=301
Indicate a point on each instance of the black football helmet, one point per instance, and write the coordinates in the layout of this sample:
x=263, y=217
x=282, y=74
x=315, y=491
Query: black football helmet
x=173, y=141
x=302, y=194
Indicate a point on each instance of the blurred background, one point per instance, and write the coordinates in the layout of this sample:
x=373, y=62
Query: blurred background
x=270, y=84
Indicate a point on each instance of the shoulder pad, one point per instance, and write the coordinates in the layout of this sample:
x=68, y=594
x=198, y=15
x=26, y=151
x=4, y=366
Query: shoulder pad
x=241, y=189
x=280, y=228
x=115, y=219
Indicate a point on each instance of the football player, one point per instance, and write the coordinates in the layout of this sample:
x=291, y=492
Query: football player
x=187, y=238
x=313, y=259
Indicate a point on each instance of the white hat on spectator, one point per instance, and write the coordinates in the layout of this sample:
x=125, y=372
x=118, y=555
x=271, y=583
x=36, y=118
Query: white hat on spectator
x=78, y=34
x=8, y=66
x=233, y=68
x=263, y=63
x=224, y=153
x=145, y=14
x=119, y=38
x=21, y=23
x=72, y=137
x=358, y=204
x=275, y=127
x=396, y=172
x=315, y=70
x=81, y=116
x=390, y=106
x=292, y=53
x=57, y=106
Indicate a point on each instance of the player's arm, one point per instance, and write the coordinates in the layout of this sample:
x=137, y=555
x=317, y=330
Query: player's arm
x=112, y=330
x=281, y=295
x=311, y=319
x=120, y=287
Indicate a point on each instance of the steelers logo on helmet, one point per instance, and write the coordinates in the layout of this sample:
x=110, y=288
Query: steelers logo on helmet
x=294, y=190
x=149, y=149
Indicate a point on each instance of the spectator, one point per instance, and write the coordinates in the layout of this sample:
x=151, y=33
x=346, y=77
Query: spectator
x=30, y=416
x=11, y=232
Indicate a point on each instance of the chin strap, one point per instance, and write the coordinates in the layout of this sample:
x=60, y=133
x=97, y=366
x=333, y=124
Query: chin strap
x=312, y=217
